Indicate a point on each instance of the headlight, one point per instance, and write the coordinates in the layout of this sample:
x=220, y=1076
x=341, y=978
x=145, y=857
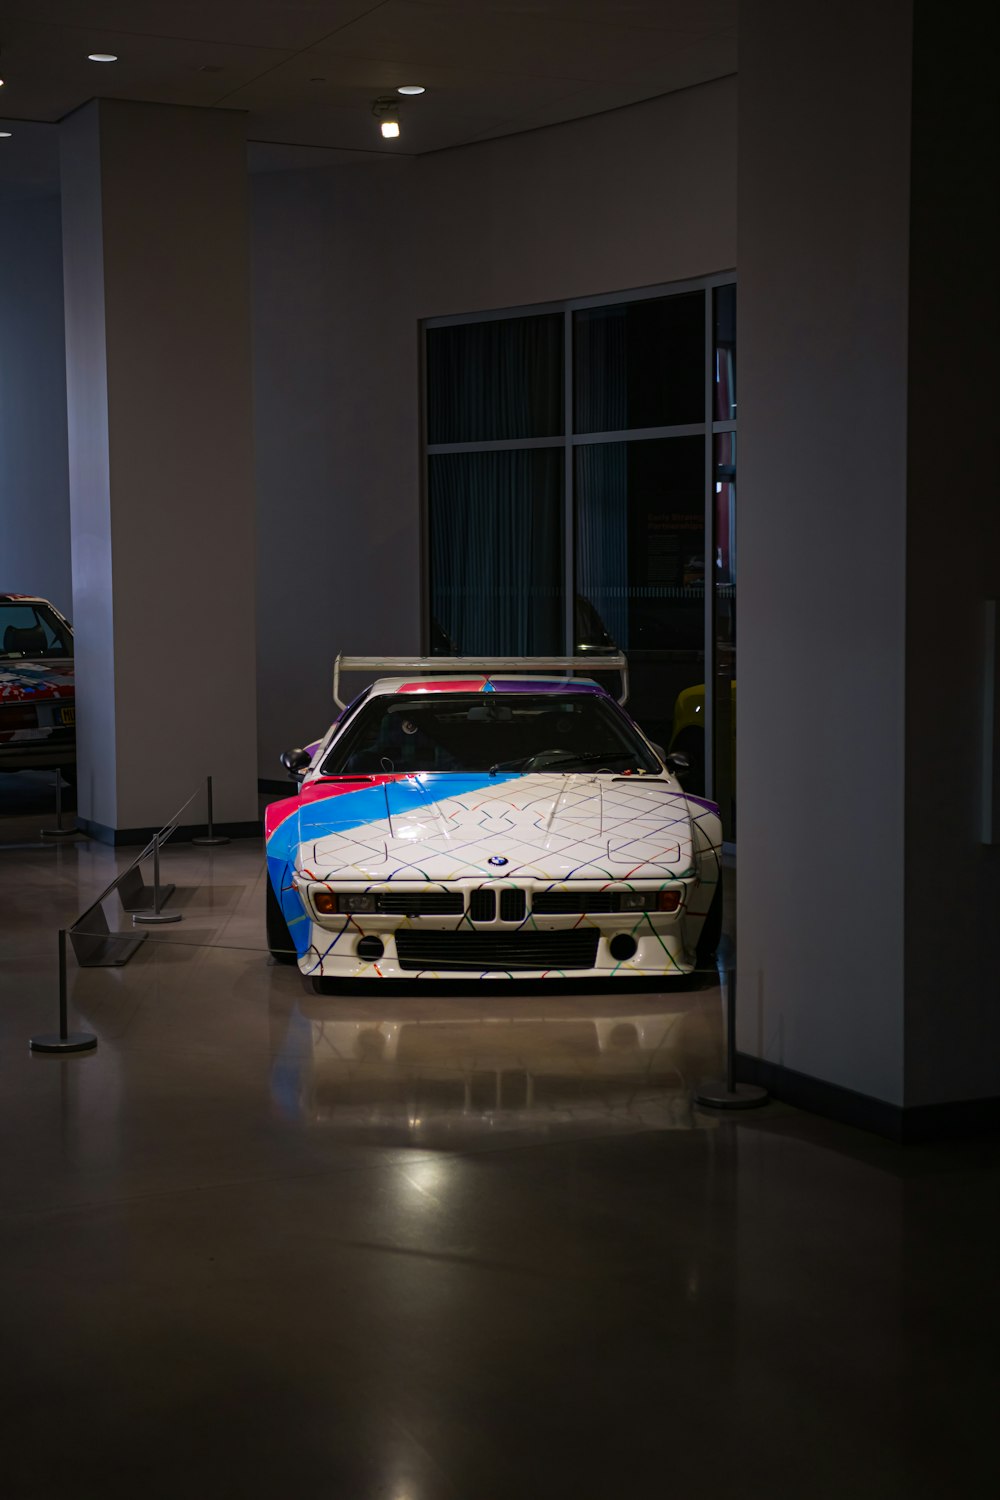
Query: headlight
x=330, y=903
x=356, y=901
x=637, y=900
x=668, y=900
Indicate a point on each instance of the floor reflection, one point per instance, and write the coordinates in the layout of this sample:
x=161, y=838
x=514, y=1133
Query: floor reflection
x=433, y=1071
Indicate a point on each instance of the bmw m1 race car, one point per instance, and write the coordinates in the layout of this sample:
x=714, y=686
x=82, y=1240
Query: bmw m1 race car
x=491, y=818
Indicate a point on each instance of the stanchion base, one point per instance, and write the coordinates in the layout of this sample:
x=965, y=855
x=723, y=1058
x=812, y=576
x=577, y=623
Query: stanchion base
x=714, y=1093
x=156, y=916
x=216, y=838
x=76, y=1041
x=60, y=833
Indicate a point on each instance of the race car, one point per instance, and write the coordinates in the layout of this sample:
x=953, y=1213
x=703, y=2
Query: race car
x=490, y=818
x=37, y=690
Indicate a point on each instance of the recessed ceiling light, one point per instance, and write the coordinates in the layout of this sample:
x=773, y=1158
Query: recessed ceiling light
x=5, y=135
x=411, y=88
x=1, y=83
x=102, y=57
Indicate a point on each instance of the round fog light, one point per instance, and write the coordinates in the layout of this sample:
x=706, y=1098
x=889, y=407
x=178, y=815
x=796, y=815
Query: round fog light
x=370, y=947
x=622, y=946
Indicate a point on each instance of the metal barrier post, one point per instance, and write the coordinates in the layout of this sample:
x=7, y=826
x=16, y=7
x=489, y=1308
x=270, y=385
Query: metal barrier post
x=726, y=1093
x=211, y=837
x=156, y=915
x=66, y=1041
x=59, y=832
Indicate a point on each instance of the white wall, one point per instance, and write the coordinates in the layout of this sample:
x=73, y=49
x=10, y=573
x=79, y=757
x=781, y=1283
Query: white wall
x=346, y=262
x=34, y=480
x=823, y=260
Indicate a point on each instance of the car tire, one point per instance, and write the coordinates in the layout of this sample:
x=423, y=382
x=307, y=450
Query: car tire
x=279, y=939
x=711, y=932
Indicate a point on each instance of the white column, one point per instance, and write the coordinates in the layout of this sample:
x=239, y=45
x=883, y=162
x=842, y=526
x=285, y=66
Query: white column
x=823, y=244
x=156, y=276
x=869, y=946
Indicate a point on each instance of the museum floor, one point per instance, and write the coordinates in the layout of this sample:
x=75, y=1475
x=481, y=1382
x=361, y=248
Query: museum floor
x=266, y=1243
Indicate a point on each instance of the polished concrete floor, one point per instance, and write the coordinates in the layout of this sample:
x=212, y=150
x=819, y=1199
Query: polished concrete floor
x=462, y=1247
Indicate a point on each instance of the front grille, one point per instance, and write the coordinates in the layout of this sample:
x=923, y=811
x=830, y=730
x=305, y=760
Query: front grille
x=420, y=903
x=512, y=906
x=436, y=949
x=564, y=903
x=482, y=906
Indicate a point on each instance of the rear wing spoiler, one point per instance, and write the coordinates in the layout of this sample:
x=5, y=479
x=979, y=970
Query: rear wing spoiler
x=604, y=661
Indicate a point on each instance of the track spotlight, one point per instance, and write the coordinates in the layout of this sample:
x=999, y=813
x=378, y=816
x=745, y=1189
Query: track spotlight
x=385, y=111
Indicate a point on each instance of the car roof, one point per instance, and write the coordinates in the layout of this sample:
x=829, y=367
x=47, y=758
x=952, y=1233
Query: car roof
x=22, y=599
x=478, y=682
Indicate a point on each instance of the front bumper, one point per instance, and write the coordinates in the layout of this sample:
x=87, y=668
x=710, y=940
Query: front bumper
x=38, y=754
x=576, y=946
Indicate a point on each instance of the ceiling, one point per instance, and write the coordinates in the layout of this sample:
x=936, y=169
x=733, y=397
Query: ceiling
x=305, y=72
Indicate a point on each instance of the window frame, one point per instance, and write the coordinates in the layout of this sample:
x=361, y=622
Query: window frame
x=569, y=440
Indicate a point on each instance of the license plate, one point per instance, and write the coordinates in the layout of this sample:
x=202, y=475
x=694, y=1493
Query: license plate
x=67, y=715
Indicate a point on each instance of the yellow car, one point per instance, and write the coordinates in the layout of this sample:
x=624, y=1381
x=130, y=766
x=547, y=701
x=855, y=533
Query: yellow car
x=688, y=735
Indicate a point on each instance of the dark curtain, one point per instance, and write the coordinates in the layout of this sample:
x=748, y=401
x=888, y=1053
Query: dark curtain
x=600, y=370
x=497, y=551
x=601, y=501
x=490, y=381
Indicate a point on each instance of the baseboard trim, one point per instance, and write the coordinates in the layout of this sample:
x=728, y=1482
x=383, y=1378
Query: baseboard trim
x=123, y=837
x=955, y=1120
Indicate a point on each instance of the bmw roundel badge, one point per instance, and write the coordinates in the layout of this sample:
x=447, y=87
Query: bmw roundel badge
x=497, y=859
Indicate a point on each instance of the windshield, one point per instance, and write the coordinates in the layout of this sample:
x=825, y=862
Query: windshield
x=452, y=732
x=30, y=629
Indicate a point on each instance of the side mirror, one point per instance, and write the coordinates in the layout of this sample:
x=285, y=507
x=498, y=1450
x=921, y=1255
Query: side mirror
x=296, y=763
x=678, y=764
x=661, y=753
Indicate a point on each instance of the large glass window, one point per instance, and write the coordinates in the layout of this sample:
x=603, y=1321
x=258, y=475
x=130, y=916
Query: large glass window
x=495, y=380
x=580, y=489
x=640, y=561
x=496, y=551
x=639, y=364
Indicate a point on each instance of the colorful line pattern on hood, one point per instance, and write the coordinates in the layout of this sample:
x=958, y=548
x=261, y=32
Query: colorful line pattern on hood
x=440, y=828
x=34, y=682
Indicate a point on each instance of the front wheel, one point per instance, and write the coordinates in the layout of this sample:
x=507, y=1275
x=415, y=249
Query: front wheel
x=279, y=939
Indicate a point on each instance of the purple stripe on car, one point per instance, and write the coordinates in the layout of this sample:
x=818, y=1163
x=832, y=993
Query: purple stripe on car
x=559, y=685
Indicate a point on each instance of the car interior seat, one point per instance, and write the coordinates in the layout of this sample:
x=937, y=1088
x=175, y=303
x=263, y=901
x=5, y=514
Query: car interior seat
x=29, y=642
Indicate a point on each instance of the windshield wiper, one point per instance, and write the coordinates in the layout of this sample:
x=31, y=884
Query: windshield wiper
x=588, y=757
x=568, y=757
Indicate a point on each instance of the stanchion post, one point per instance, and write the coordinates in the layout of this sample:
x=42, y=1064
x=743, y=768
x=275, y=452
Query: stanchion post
x=211, y=837
x=66, y=1040
x=59, y=832
x=726, y=1093
x=156, y=915
x=156, y=876
x=731, y=1031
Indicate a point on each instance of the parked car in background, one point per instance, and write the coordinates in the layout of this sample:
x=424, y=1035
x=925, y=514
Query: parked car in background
x=37, y=692
x=688, y=737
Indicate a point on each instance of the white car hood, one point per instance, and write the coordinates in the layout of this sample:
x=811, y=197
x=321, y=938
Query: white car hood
x=533, y=827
